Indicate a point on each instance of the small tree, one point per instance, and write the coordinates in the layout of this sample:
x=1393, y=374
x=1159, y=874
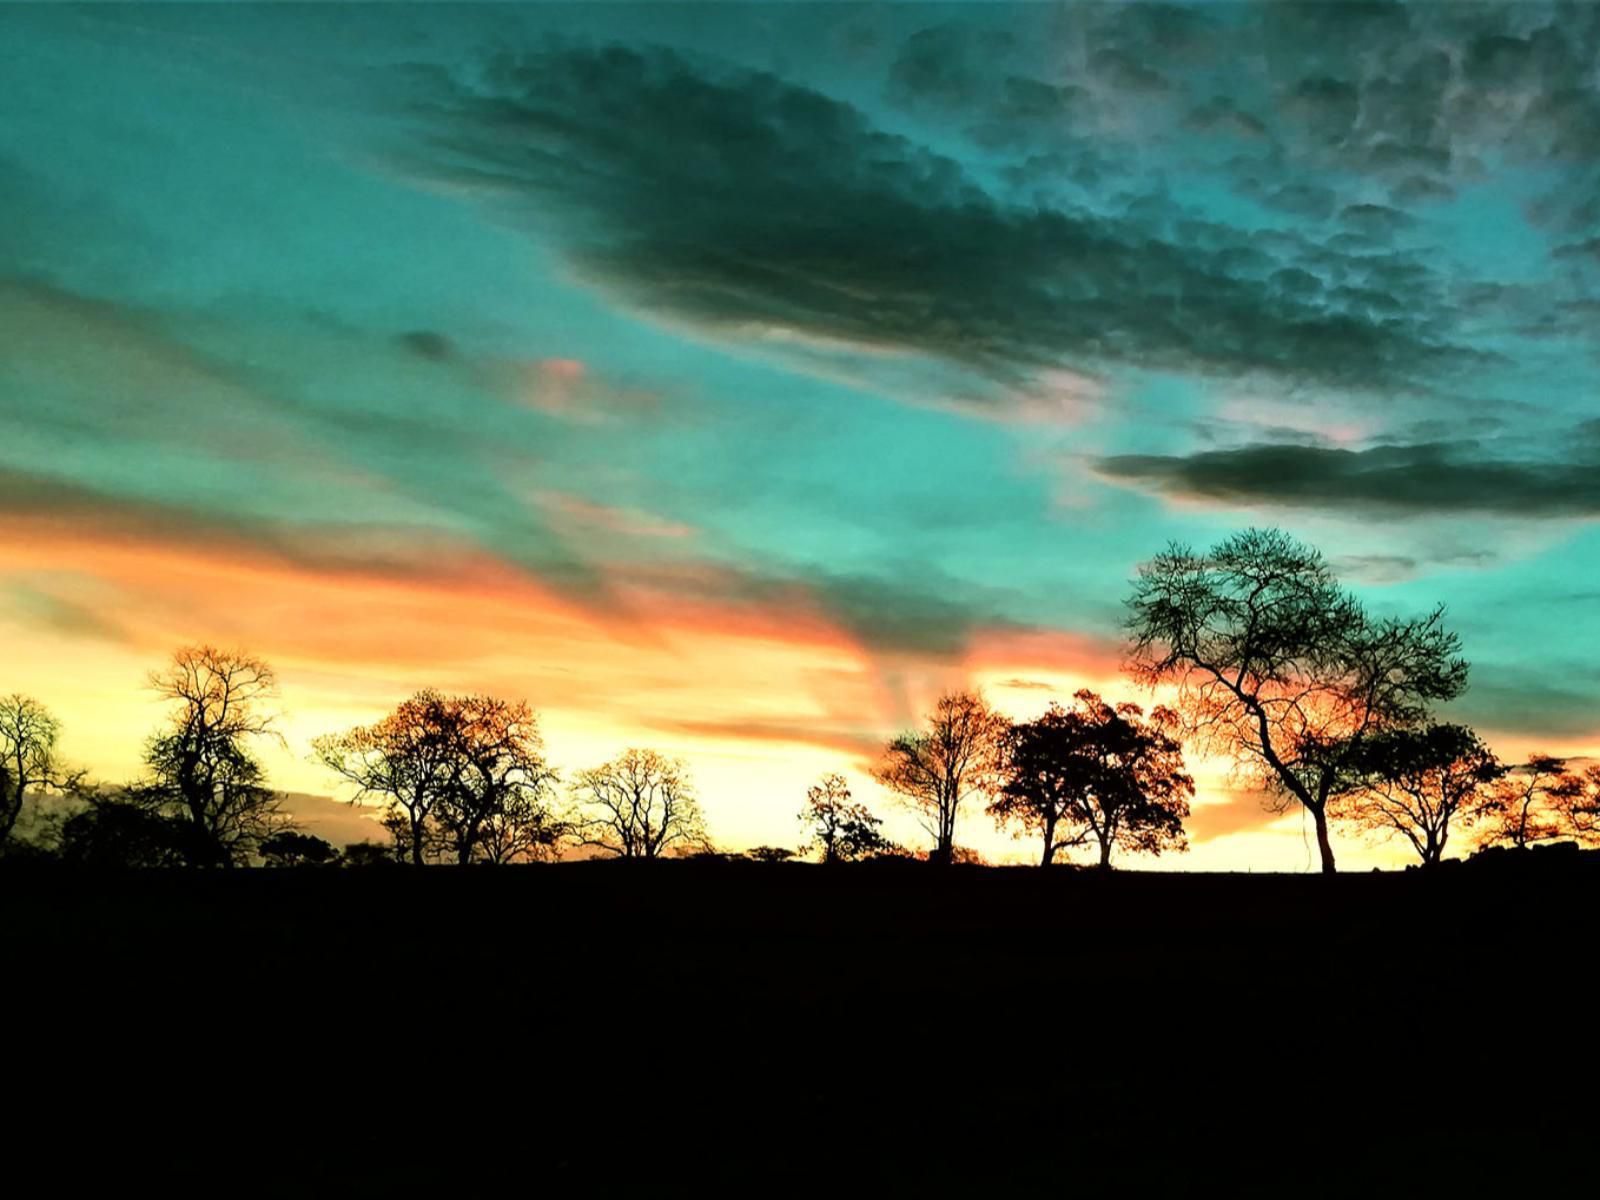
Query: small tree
x=1577, y=803
x=639, y=805
x=203, y=770
x=1097, y=773
x=840, y=829
x=368, y=854
x=937, y=769
x=523, y=827
x=294, y=849
x=28, y=736
x=410, y=760
x=1416, y=783
x=1279, y=667
x=124, y=830
x=1521, y=808
x=769, y=854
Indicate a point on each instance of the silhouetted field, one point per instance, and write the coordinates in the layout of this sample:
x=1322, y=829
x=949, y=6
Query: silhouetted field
x=581, y=1025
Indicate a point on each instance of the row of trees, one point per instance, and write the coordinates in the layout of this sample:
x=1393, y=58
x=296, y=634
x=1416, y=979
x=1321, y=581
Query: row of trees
x=1318, y=702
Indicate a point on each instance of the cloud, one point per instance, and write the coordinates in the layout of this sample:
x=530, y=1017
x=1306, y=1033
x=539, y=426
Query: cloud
x=426, y=343
x=48, y=609
x=1426, y=477
x=743, y=200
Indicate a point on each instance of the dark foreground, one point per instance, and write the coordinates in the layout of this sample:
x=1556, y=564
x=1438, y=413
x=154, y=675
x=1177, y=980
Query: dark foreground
x=593, y=1025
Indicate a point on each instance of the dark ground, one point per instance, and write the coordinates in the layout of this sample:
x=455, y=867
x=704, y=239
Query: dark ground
x=774, y=1027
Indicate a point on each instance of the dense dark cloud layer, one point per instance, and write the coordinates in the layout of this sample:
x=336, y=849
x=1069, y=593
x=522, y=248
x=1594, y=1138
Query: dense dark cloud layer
x=740, y=201
x=1441, y=477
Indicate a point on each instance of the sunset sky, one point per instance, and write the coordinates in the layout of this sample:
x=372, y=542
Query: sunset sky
x=732, y=378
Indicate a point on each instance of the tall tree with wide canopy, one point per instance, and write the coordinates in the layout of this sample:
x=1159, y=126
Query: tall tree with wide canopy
x=937, y=769
x=1096, y=773
x=1280, y=667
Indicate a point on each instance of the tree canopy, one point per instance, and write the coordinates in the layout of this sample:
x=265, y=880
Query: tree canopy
x=1281, y=668
x=1096, y=773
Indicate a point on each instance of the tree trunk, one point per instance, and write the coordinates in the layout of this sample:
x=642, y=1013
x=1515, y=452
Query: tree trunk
x=416, y=843
x=1105, y=854
x=1319, y=815
x=1049, y=844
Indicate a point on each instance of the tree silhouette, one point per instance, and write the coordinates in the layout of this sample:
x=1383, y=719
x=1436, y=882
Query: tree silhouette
x=202, y=769
x=122, y=830
x=410, y=760
x=937, y=769
x=294, y=849
x=1521, y=809
x=1096, y=773
x=638, y=805
x=769, y=854
x=523, y=827
x=1416, y=783
x=28, y=734
x=368, y=854
x=501, y=782
x=1577, y=801
x=1279, y=667
x=841, y=830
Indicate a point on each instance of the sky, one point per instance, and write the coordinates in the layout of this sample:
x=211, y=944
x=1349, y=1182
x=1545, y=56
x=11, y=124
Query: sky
x=733, y=378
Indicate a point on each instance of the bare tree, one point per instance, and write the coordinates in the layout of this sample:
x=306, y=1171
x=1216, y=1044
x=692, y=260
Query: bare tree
x=501, y=779
x=1279, y=667
x=202, y=768
x=410, y=760
x=841, y=829
x=638, y=805
x=28, y=734
x=1416, y=783
x=1521, y=809
x=937, y=769
x=1097, y=773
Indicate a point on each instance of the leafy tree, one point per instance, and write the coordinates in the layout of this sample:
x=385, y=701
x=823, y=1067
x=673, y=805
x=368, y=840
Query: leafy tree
x=410, y=760
x=1097, y=773
x=1415, y=783
x=291, y=848
x=1521, y=808
x=202, y=769
x=1577, y=802
x=841, y=829
x=937, y=769
x=1280, y=667
x=638, y=805
x=501, y=782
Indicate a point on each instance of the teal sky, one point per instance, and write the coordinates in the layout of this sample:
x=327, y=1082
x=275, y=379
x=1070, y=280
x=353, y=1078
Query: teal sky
x=922, y=325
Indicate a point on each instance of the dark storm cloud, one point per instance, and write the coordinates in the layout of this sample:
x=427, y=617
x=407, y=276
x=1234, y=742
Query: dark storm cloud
x=736, y=200
x=1441, y=477
x=948, y=67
